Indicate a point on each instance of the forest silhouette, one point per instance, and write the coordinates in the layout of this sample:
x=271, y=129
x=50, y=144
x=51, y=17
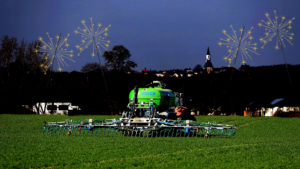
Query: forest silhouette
x=229, y=91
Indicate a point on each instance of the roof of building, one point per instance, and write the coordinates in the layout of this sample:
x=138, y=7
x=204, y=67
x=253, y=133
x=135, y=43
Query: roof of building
x=208, y=64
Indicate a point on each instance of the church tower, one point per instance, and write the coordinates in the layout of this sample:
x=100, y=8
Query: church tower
x=208, y=66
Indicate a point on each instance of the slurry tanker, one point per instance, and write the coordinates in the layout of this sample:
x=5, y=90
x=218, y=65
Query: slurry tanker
x=153, y=111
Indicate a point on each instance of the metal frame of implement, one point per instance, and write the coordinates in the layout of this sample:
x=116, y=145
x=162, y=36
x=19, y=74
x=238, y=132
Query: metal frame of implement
x=138, y=127
x=130, y=124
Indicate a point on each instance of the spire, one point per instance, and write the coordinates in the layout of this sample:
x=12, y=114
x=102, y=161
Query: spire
x=208, y=53
x=208, y=65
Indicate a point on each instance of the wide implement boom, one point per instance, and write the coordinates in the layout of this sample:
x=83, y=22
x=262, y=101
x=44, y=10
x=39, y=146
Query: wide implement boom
x=142, y=127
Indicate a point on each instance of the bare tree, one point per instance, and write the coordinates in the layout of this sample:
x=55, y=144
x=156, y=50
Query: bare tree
x=8, y=50
x=22, y=57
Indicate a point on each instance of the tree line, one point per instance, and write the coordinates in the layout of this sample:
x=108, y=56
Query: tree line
x=22, y=56
x=23, y=83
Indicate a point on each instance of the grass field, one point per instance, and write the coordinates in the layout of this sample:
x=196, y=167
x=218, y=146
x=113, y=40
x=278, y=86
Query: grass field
x=260, y=142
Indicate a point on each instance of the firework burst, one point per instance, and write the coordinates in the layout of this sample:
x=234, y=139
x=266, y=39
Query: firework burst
x=95, y=35
x=55, y=52
x=279, y=29
x=242, y=42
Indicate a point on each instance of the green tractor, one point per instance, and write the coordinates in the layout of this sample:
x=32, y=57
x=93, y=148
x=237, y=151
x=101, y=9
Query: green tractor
x=153, y=101
x=153, y=112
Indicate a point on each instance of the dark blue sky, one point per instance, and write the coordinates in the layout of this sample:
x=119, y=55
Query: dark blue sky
x=160, y=34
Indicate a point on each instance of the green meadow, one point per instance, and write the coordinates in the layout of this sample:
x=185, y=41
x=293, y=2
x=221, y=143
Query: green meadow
x=260, y=142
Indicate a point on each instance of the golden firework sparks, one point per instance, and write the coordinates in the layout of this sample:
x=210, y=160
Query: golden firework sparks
x=55, y=52
x=238, y=42
x=93, y=35
x=277, y=28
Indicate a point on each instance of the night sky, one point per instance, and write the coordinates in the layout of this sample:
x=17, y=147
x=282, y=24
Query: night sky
x=160, y=34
